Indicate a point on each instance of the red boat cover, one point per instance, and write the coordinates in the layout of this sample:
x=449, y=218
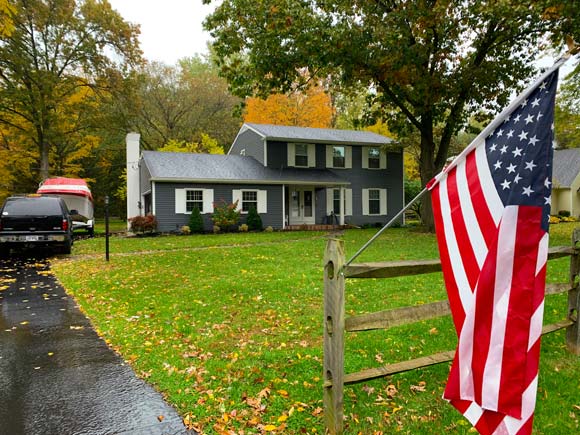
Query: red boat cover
x=66, y=186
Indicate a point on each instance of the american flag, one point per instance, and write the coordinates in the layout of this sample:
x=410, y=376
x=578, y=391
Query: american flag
x=491, y=207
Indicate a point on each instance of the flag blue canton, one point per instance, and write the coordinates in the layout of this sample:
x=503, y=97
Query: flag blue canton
x=520, y=151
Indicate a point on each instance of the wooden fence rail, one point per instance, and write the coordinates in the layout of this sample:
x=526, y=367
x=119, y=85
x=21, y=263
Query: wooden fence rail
x=336, y=325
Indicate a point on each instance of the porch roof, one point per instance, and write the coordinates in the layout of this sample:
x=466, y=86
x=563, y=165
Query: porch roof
x=231, y=169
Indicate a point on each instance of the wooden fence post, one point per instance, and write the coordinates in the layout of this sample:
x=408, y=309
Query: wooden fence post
x=573, y=332
x=334, y=260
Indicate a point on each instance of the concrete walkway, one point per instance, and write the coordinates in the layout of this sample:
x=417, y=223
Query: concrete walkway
x=56, y=375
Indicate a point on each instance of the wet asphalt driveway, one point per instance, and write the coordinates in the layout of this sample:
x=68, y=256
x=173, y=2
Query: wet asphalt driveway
x=56, y=375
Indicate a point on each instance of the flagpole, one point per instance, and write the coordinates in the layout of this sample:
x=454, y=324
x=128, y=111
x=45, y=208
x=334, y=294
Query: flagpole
x=388, y=224
x=573, y=50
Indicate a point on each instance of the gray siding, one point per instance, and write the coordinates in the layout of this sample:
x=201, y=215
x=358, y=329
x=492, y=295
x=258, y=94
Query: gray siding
x=169, y=221
x=359, y=178
x=252, y=143
x=390, y=179
x=277, y=154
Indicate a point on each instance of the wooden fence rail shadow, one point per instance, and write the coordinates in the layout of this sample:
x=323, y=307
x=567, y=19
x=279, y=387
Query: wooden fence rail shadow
x=336, y=325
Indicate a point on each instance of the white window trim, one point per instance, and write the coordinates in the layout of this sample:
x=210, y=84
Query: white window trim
x=262, y=199
x=347, y=157
x=181, y=200
x=382, y=202
x=382, y=158
x=347, y=200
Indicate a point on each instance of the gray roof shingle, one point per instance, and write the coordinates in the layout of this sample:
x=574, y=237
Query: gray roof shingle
x=218, y=168
x=325, y=135
x=566, y=167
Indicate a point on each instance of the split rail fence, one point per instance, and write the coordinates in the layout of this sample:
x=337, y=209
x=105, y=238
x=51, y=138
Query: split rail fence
x=336, y=325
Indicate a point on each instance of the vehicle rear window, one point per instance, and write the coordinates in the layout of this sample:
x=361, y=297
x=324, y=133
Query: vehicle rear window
x=32, y=207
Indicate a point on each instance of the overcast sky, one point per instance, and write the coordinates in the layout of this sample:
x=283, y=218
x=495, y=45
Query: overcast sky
x=170, y=29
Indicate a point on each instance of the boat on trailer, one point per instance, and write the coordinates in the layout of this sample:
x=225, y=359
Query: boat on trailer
x=78, y=197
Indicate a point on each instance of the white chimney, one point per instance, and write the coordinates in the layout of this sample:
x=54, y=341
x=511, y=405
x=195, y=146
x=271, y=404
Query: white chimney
x=133, y=188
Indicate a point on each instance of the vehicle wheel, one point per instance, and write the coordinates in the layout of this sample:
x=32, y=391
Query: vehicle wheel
x=66, y=248
x=92, y=232
x=4, y=251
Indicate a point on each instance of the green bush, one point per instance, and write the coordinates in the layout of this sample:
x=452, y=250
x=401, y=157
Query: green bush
x=254, y=220
x=225, y=215
x=196, y=221
x=564, y=213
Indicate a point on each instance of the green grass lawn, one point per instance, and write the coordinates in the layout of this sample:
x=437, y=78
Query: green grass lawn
x=229, y=328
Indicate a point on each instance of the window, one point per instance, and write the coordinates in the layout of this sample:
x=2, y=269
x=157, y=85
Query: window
x=187, y=199
x=374, y=157
x=338, y=157
x=374, y=201
x=249, y=200
x=193, y=198
x=333, y=201
x=301, y=156
x=336, y=201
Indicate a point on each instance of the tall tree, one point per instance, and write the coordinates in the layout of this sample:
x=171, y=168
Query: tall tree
x=309, y=108
x=431, y=63
x=57, y=48
x=567, y=114
x=181, y=103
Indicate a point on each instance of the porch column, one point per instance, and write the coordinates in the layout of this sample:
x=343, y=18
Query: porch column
x=283, y=206
x=342, y=198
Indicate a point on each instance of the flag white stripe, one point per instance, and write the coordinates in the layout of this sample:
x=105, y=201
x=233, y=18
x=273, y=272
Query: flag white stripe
x=542, y=252
x=473, y=413
x=513, y=425
x=465, y=290
x=476, y=239
x=494, y=203
x=502, y=290
x=465, y=350
x=536, y=325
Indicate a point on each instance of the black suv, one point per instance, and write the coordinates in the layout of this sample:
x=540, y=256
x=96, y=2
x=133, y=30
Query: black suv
x=35, y=220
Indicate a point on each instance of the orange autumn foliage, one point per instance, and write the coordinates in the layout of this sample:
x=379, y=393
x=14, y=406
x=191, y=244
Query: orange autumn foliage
x=312, y=108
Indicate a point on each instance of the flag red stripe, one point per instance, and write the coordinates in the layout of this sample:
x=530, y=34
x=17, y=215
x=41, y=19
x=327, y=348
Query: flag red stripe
x=489, y=422
x=455, y=304
x=466, y=251
x=486, y=223
x=512, y=383
x=483, y=321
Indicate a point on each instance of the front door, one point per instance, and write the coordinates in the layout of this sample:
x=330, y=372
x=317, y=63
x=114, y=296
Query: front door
x=301, y=204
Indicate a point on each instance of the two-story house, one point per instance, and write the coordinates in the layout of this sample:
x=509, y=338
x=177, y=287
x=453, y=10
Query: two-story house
x=293, y=176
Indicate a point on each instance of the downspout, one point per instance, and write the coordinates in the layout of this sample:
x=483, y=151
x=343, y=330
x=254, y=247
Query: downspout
x=153, y=200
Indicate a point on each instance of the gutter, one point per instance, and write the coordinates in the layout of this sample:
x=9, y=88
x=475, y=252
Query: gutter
x=237, y=181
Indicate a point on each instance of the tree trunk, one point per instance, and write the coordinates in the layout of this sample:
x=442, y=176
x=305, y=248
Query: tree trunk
x=44, y=163
x=427, y=170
